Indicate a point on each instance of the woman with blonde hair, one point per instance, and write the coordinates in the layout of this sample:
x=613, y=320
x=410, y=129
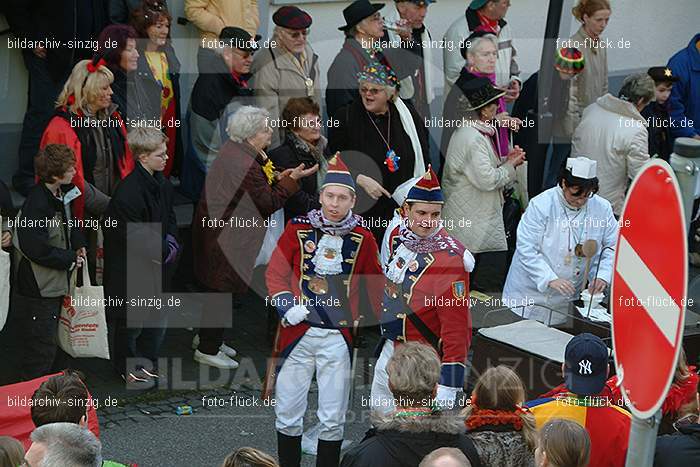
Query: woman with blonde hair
x=249, y=457
x=503, y=431
x=592, y=82
x=87, y=121
x=562, y=443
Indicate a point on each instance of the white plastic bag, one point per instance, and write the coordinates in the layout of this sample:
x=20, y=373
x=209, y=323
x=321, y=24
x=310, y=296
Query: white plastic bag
x=274, y=231
x=82, y=326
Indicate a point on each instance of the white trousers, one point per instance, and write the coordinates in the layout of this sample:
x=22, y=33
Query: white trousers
x=381, y=398
x=325, y=352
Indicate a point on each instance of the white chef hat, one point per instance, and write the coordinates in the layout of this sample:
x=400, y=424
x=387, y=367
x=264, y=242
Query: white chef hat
x=581, y=167
x=399, y=195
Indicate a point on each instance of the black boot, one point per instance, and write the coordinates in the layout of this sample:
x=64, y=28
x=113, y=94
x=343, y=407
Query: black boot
x=288, y=450
x=328, y=453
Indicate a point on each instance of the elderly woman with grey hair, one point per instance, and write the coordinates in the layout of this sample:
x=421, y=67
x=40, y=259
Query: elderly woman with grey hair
x=416, y=427
x=614, y=133
x=241, y=191
x=481, y=52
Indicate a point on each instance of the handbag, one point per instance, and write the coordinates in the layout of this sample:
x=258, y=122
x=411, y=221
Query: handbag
x=82, y=326
x=511, y=217
x=4, y=285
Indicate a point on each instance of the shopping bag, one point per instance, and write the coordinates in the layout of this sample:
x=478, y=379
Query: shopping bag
x=82, y=326
x=4, y=285
x=274, y=231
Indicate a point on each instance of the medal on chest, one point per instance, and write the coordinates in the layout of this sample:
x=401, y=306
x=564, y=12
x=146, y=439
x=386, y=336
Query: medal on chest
x=318, y=285
x=309, y=87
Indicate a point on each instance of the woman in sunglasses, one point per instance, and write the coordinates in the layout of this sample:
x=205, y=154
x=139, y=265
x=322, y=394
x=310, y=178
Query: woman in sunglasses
x=548, y=267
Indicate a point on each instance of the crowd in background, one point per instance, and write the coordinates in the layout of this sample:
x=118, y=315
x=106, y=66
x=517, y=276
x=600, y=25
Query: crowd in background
x=105, y=136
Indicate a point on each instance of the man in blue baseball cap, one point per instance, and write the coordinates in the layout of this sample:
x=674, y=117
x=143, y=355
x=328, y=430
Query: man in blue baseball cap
x=585, y=399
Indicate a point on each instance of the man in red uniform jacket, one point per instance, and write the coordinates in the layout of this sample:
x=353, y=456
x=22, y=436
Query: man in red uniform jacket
x=426, y=296
x=314, y=279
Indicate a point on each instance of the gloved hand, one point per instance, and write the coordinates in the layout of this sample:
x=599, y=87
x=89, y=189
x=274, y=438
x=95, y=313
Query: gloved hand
x=445, y=397
x=173, y=248
x=296, y=314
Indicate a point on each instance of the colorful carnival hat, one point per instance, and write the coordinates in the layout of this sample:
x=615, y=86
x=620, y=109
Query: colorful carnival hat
x=427, y=190
x=378, y=74
x=569, y=60
x=338, y=174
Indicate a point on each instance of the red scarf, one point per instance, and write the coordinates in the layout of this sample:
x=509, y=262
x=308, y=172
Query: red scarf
x=487, y=24
x=483, y=417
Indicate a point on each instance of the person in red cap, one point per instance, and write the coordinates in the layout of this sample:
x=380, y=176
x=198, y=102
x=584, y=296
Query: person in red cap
x=426, y=294
x=314, y=279
x=286, y=68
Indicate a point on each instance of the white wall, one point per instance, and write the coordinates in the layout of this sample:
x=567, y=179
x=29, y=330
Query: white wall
x=655, y=30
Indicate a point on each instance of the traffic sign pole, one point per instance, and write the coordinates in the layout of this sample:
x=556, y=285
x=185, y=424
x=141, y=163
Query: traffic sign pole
x=642, y=441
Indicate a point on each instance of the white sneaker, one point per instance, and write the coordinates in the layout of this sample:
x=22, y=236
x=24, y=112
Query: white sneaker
x=220, y=360
x=229, y=351
x=195, y=342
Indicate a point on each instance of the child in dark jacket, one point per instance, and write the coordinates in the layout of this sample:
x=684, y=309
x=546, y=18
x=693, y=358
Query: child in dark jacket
x=48, y=251
x=658, y=113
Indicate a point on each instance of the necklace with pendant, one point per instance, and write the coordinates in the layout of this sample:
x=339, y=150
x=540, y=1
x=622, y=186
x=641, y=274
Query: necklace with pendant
x=577, y=249
x=391, y=160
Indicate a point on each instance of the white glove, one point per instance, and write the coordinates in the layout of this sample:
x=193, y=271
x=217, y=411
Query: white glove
x=445, y=397
x=296, y=314
x=468, y=261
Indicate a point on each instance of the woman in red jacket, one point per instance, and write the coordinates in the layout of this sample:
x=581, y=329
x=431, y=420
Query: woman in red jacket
x=86, y=120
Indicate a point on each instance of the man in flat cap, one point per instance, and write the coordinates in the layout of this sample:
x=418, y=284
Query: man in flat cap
x=287, y=68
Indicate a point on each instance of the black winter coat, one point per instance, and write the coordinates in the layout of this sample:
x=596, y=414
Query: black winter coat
x=65, y=21
x=680, y=449
x=396, y=442
x=47, y=242
x=660, y=141
x=290, y=155
x=139, y=199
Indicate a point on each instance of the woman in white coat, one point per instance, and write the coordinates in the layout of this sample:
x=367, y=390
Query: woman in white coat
x=548, y=266
x=475, y=176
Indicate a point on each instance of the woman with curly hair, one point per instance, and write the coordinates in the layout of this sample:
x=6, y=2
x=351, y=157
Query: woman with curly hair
x=503, y=431
x=158, y=73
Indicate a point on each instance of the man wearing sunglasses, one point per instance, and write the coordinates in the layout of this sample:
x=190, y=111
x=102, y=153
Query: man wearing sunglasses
x=548, y=267
x=287, y=67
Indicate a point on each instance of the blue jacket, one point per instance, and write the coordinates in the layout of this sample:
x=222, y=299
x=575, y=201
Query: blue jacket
x=685, y=96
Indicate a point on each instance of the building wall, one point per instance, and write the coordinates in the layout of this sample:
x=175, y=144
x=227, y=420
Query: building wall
x=652, y=30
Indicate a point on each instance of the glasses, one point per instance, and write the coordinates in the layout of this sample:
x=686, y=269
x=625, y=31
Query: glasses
x=243, y=53
x=294, y=34
x=370, y=91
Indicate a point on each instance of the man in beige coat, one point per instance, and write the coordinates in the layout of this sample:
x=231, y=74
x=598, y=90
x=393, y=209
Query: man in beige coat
x=286, y=68
x=211, y=16
x=613, y=133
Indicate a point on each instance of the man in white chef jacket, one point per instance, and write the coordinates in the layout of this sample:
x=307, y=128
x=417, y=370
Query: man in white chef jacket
x=548, y=265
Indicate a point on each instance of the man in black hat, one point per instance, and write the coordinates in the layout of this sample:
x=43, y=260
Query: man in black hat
x=658, y=113
x=216, y=94
x=287, y=68
x=364, y=30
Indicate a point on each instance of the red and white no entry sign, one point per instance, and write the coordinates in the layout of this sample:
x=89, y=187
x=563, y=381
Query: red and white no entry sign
x=649, y=288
